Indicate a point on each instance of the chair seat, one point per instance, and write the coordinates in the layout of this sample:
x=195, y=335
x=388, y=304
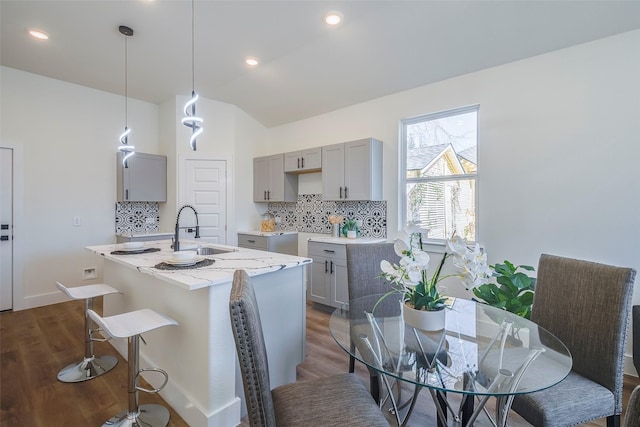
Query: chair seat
x=87, y=291
x=307, y=403
x=561, y=404
x=132, y=323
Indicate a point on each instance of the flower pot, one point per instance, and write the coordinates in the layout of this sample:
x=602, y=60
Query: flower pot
x=351, y=234
x=424, y=320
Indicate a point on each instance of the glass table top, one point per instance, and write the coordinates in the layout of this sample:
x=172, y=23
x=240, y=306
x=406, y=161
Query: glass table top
x=483, y=350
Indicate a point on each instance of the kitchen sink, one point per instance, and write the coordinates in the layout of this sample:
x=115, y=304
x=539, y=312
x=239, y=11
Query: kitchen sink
x=206, y=250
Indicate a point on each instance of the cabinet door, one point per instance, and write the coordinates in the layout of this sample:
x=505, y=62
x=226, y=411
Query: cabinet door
x=145, y=180
x=340, y=294
x=311, y=159
x=292, y=161
x=333, y=172
x=275, y=190
x=260, y=179
x=319, y=290
x=363, y=169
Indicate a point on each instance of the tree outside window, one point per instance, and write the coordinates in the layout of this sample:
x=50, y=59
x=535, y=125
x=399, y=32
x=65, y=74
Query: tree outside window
x=439, y=154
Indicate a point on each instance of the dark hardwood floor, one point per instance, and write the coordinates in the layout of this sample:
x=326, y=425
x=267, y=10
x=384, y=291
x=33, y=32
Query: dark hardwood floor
x=35, y=344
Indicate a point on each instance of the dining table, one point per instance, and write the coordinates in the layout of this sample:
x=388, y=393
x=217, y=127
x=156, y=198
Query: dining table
x=482, y=352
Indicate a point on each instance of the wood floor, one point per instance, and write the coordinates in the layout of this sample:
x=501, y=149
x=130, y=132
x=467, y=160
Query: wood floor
x=35, y=344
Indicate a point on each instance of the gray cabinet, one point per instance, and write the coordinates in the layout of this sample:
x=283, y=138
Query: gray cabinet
x=145, y=180
x=328, y=284
x=303, y=161
x=270, y=183
x=352, y=170
x=283, y=243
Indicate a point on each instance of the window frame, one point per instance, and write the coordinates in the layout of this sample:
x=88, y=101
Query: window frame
x=402, y=167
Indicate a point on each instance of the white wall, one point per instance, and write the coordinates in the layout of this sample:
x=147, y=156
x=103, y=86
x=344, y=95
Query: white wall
x=67, y=137
x=558, y=150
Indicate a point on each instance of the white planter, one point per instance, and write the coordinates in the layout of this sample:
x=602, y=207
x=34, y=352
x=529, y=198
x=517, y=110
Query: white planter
x=424, y=320
x=351, y=234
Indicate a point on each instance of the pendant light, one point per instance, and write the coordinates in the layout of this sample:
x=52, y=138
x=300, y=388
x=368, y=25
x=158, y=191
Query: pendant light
x=125, y=148
x=190, y=119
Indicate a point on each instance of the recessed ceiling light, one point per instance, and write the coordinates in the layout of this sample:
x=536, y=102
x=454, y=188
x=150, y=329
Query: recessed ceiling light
x=333, y=18
x=40, y=35
x=251, y=61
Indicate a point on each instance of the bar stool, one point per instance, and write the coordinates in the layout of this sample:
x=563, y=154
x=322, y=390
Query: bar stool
x=91, y=366
x=130, y=325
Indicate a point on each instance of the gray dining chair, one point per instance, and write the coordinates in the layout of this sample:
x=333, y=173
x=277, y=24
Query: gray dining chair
x=587, y=305
x=338, y=400
x=363, y=279
x=632, y=413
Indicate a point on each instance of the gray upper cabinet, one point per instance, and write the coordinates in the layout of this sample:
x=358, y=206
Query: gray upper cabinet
x=309, y=160
x=145, y=180
x=352, y=170
x=270, y=183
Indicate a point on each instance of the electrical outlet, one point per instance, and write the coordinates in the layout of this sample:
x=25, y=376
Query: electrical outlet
x=89, y=273
x=150, y=220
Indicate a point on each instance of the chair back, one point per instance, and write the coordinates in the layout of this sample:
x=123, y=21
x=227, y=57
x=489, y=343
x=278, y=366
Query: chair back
x=251, y=350
x=632, y=414
x=363, y=268
x=587, y=305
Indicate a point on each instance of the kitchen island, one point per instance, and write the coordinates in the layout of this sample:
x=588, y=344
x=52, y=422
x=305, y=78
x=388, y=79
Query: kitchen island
x=204, y=386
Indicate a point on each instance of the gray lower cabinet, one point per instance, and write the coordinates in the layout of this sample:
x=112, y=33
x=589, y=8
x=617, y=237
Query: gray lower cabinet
x=284, y=243
x=328, y=283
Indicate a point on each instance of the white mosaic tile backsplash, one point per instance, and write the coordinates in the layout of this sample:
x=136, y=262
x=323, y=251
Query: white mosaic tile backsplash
x=311, y=214
x=137, y=217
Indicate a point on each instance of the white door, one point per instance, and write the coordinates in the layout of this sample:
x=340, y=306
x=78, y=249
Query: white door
x=6, y=229
x=206, y=191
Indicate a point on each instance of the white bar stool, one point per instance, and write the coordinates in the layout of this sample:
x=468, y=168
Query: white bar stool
x=91, y=366
x=130, y=325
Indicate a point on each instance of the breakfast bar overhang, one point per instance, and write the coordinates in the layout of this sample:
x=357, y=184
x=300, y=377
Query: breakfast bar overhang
x=199, y=355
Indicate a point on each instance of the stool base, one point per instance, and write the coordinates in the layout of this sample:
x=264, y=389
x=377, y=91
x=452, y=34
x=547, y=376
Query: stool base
x=87, y=369
x=147, y=416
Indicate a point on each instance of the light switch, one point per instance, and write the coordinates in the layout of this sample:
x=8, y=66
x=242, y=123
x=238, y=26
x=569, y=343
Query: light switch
x=77, y=221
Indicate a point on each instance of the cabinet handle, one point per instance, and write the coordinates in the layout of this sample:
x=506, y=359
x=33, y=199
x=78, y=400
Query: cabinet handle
x=4, y=238
x=298, y=162
x=251, y=241
x=303, y=163
x=325, y=266
x=126, y=194
x=264, y=196
x=330, y=251
x=268, y=194
x=331, y=267
x=345, y=192
x=341, y=192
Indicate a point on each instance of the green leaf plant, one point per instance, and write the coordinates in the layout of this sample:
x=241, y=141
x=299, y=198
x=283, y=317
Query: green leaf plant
x=514, y=291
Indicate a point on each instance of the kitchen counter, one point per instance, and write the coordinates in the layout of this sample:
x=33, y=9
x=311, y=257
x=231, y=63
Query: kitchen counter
x=199, y=354
x=221, y=271
x=345, y=241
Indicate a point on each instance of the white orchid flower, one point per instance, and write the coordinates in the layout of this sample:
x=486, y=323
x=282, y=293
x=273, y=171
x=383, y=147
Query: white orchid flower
x=458, y=246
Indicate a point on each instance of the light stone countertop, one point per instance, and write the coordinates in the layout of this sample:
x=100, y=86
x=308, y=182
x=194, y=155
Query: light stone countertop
x=255, y=262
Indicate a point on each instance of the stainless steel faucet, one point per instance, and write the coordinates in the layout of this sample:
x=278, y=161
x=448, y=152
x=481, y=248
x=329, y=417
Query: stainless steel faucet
x=176, y=242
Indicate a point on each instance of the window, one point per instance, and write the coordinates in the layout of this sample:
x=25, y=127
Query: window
x=439, y=160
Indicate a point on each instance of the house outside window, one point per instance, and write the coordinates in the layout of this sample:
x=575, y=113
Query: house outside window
x=439, y=182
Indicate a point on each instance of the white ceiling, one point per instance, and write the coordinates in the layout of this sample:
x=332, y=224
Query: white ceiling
x=306, y=68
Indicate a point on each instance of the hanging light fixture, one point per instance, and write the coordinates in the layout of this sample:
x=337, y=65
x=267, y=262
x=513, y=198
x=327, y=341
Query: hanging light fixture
x=125, y=148
x=190, y=119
